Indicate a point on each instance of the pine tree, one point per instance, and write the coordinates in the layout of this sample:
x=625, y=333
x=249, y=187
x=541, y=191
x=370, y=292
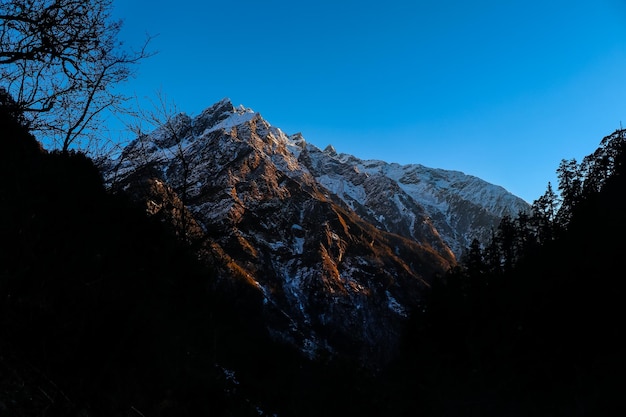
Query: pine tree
x=544, y=212
x=506, y=237
x=570, y=178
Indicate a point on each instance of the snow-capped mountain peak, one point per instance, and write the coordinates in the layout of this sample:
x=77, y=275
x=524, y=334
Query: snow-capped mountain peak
x=223, y=115
x=341, y=248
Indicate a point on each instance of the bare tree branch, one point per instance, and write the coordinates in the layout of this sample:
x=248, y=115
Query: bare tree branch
x=59, y=60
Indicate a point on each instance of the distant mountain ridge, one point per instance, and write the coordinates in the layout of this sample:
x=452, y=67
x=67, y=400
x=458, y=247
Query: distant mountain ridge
x=340, y=249
x=460, y=207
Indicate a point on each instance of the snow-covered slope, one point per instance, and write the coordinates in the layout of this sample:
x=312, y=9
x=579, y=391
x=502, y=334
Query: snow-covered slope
x=406, y=199
x=340, y=249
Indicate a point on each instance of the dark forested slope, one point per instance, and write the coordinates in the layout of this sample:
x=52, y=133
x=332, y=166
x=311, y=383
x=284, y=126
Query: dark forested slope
x=102, y=310
x=531, y=324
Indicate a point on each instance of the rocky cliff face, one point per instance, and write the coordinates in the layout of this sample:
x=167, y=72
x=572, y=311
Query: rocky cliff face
x=341, y=250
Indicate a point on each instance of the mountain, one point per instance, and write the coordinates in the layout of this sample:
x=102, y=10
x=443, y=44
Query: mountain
x=337, y=267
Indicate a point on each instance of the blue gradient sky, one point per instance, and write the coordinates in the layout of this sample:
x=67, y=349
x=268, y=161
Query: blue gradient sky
x=502, y=90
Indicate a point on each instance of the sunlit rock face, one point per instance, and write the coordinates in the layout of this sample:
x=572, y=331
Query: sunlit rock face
x=341, y=250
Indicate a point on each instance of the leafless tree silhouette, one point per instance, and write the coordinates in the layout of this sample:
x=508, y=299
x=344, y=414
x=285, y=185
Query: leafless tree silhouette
x=60, y=60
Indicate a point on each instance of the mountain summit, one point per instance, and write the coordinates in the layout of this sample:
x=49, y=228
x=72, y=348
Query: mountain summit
x=340, y=250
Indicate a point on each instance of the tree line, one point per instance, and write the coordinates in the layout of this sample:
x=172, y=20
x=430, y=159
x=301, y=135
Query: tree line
x=550, y=215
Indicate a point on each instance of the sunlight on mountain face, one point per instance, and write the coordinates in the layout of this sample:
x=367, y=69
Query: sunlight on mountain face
x=342, y=247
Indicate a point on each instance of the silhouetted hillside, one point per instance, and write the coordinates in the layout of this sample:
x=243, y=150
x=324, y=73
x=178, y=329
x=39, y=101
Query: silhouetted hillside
x=102, y=310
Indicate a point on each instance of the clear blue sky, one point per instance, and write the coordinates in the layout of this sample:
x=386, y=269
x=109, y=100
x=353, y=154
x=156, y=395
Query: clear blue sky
x=502, y=90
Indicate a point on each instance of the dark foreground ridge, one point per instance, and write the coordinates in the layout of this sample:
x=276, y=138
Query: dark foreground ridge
x=104, y=311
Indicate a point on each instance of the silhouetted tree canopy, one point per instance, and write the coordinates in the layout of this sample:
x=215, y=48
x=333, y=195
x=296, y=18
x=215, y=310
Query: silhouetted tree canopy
x=59, y=60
